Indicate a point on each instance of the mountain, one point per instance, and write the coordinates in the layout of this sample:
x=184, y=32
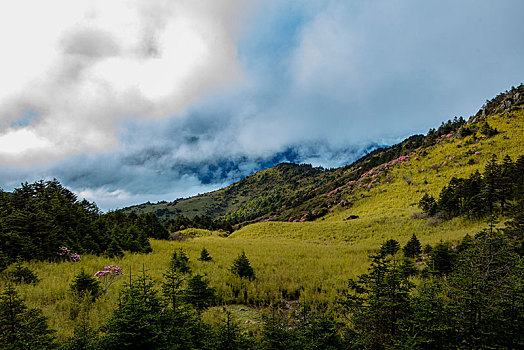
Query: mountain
x=293, y=192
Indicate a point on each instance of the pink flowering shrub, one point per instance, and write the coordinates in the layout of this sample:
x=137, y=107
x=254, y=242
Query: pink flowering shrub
x=108, y=275
x=68, y=254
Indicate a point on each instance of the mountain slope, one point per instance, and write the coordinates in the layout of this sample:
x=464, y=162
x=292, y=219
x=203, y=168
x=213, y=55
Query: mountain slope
x=383, y=202
x=291, y=192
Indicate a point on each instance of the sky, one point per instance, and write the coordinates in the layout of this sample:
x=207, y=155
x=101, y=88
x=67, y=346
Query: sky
x=128, y=101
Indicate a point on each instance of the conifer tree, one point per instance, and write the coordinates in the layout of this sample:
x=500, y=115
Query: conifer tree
x=136, y=322
x=23, y=274
x=377, y=301
x=22, y=328
x=145, y=245
x=229, y=336
x=84, y=338
x=172, y=285
x=413, y=248
x=506, y=182
x=486, y=294
x=204, y=255
x=428, y=324
x=242, y=268
x=491, y=188
x=198, y=293
x=180, y=262
x=85, y=284
x=428, y=204
x=515, y=227
x=390, y=247
x=442, y=259
x=114, y=250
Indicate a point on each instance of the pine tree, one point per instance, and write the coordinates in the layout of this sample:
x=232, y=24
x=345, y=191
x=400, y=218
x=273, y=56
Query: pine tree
x=413, y=248
x=180, y=262
x=229, y=336
x=114, y=250
x=390, y=247
x=442, y=259
x=172, y=285
x=242, y=268
x=515, y=227
x=145, y=245
x=137, y=321
x=428, y=204
x=506, y=182
x=84, y=284
x=491, y=188
x=198, y=293
x=20, y=327
x=84, y=338
x=204, y=255
x=23, y=274
x=377, y=301
x=276, y=334
x=486, y=294
x=428, y=324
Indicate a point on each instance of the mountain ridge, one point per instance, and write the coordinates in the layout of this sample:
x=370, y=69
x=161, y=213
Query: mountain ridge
x=300, y=192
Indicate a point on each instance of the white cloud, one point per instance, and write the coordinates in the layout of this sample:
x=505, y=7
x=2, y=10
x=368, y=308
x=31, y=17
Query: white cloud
x=17, y=142
x=84, y=67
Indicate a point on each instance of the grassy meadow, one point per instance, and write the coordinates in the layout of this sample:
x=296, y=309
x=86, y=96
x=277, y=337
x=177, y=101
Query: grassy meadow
x=309, y=261
x=309, y=270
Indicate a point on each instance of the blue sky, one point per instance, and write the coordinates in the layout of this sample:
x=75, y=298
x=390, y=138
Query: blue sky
x=156, y=100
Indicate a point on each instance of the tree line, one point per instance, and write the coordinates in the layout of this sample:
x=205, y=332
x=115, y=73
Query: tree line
x=39, y=218
x=479, y=195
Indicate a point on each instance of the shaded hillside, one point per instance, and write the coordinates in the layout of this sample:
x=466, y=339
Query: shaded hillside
x=291, y=192
x=276, y=183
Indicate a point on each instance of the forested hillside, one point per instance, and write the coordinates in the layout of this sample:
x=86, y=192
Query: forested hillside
x=37, y=219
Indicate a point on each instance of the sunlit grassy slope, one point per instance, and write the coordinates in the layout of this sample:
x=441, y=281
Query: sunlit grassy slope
x=309, y=260
x=385, y=209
